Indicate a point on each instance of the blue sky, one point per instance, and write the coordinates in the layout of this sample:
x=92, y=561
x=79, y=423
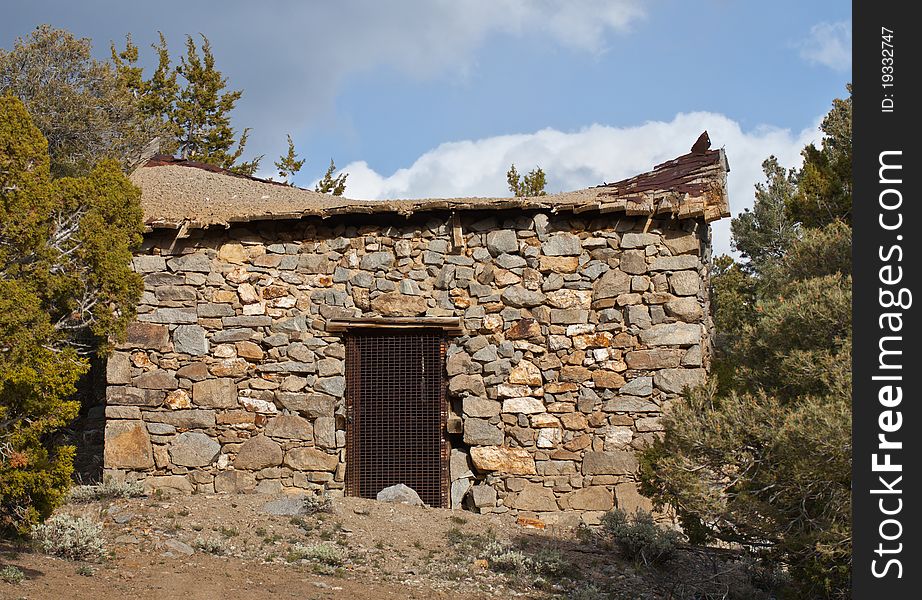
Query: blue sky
x=437, y=98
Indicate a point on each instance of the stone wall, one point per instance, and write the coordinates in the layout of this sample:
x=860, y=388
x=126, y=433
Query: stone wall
x=578, y=333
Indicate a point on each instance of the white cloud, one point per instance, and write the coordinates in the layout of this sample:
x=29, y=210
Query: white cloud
x=579, y=159
x=829, y=44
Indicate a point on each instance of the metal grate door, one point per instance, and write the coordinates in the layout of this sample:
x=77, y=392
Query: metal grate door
x=396, y=413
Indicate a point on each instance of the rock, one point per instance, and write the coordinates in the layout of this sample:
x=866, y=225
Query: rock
x=333, y=386
x=256, y=405
x=629, y=498
x=400, y=493
x=607, y=379
x=475, y=406
x=190, y=339
x=249, y=350
x=574, y=373
x=533, y=496
x=676, y=380
x=674, y=263
x=118, y=369
x=269, y=487
x=483, y=496
x=618, y=437
x=639, y=386
x=148, y=264
x=567, y=298
x=613, y=283
x=658, y=358
x=459, y=465
x=559, y=264
x=127, y=446
x=188, y=419
x=215, y=393
x=123, y=412
x=311, y=459
x=684, y=283
x=631, y=404
x=633, y=262
x=682, y=242
x=609, y=463
x=458, y=363
x=158, y=379
x=519, y=297
x=168, y=483
x=526, y=373
x=478, y=432
x=467, y=383
x=258, y=452
x=229, y=367
x=639, y=316
x=459, y=489
x=524, y=329
x=502, y=242
x=686, y=309
x=638, y=240
x=178, y=547
x=512, y=461
x=594, y=497
x=177, y=400
x=248, y=293
x=561, y=244
x=325, y=432
x=147, y=336
x=195, y=263
x=375, y=261
x=395, y=304
x=310, y=405
x=234, y=482
x=671, y=334
x=232, y=253
x=289, y=427
x=548, y=437
x=132, y=396
x=193, y=449
x=523, y=405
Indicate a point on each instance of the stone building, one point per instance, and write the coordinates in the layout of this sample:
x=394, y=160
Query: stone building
x=500, y=354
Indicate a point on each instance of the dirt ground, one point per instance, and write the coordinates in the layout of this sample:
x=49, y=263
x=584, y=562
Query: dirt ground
x=205, y=547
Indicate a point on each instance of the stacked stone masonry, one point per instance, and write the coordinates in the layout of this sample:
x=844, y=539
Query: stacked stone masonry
x=578, y=332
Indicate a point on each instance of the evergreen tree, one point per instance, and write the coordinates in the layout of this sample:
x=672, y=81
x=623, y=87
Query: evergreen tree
x=763, y=459
x=531, y=184
x=85, y=108
x=289, y=164
x=66, y=286
x=332, y=185
x=201, y=113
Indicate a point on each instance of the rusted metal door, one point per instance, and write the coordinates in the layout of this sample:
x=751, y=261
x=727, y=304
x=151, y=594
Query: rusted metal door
x=396, y=413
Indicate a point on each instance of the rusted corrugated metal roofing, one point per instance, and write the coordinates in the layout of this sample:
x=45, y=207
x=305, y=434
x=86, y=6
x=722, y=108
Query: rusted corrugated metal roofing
x=177, y=193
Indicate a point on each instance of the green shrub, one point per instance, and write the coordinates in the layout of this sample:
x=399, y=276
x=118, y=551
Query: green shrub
x=319, y=553
x=638, y=537
x=12, y=574
x=210, y=545
x=319, y=503
x=75, y=538
x=109, y=489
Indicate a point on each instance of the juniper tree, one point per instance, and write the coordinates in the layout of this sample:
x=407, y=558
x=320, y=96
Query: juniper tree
x=532, y=184
x=76, y=101
x=289, y=164
x=332, y=185
x=202, y=113
x=764, y=459
x=66, y=286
